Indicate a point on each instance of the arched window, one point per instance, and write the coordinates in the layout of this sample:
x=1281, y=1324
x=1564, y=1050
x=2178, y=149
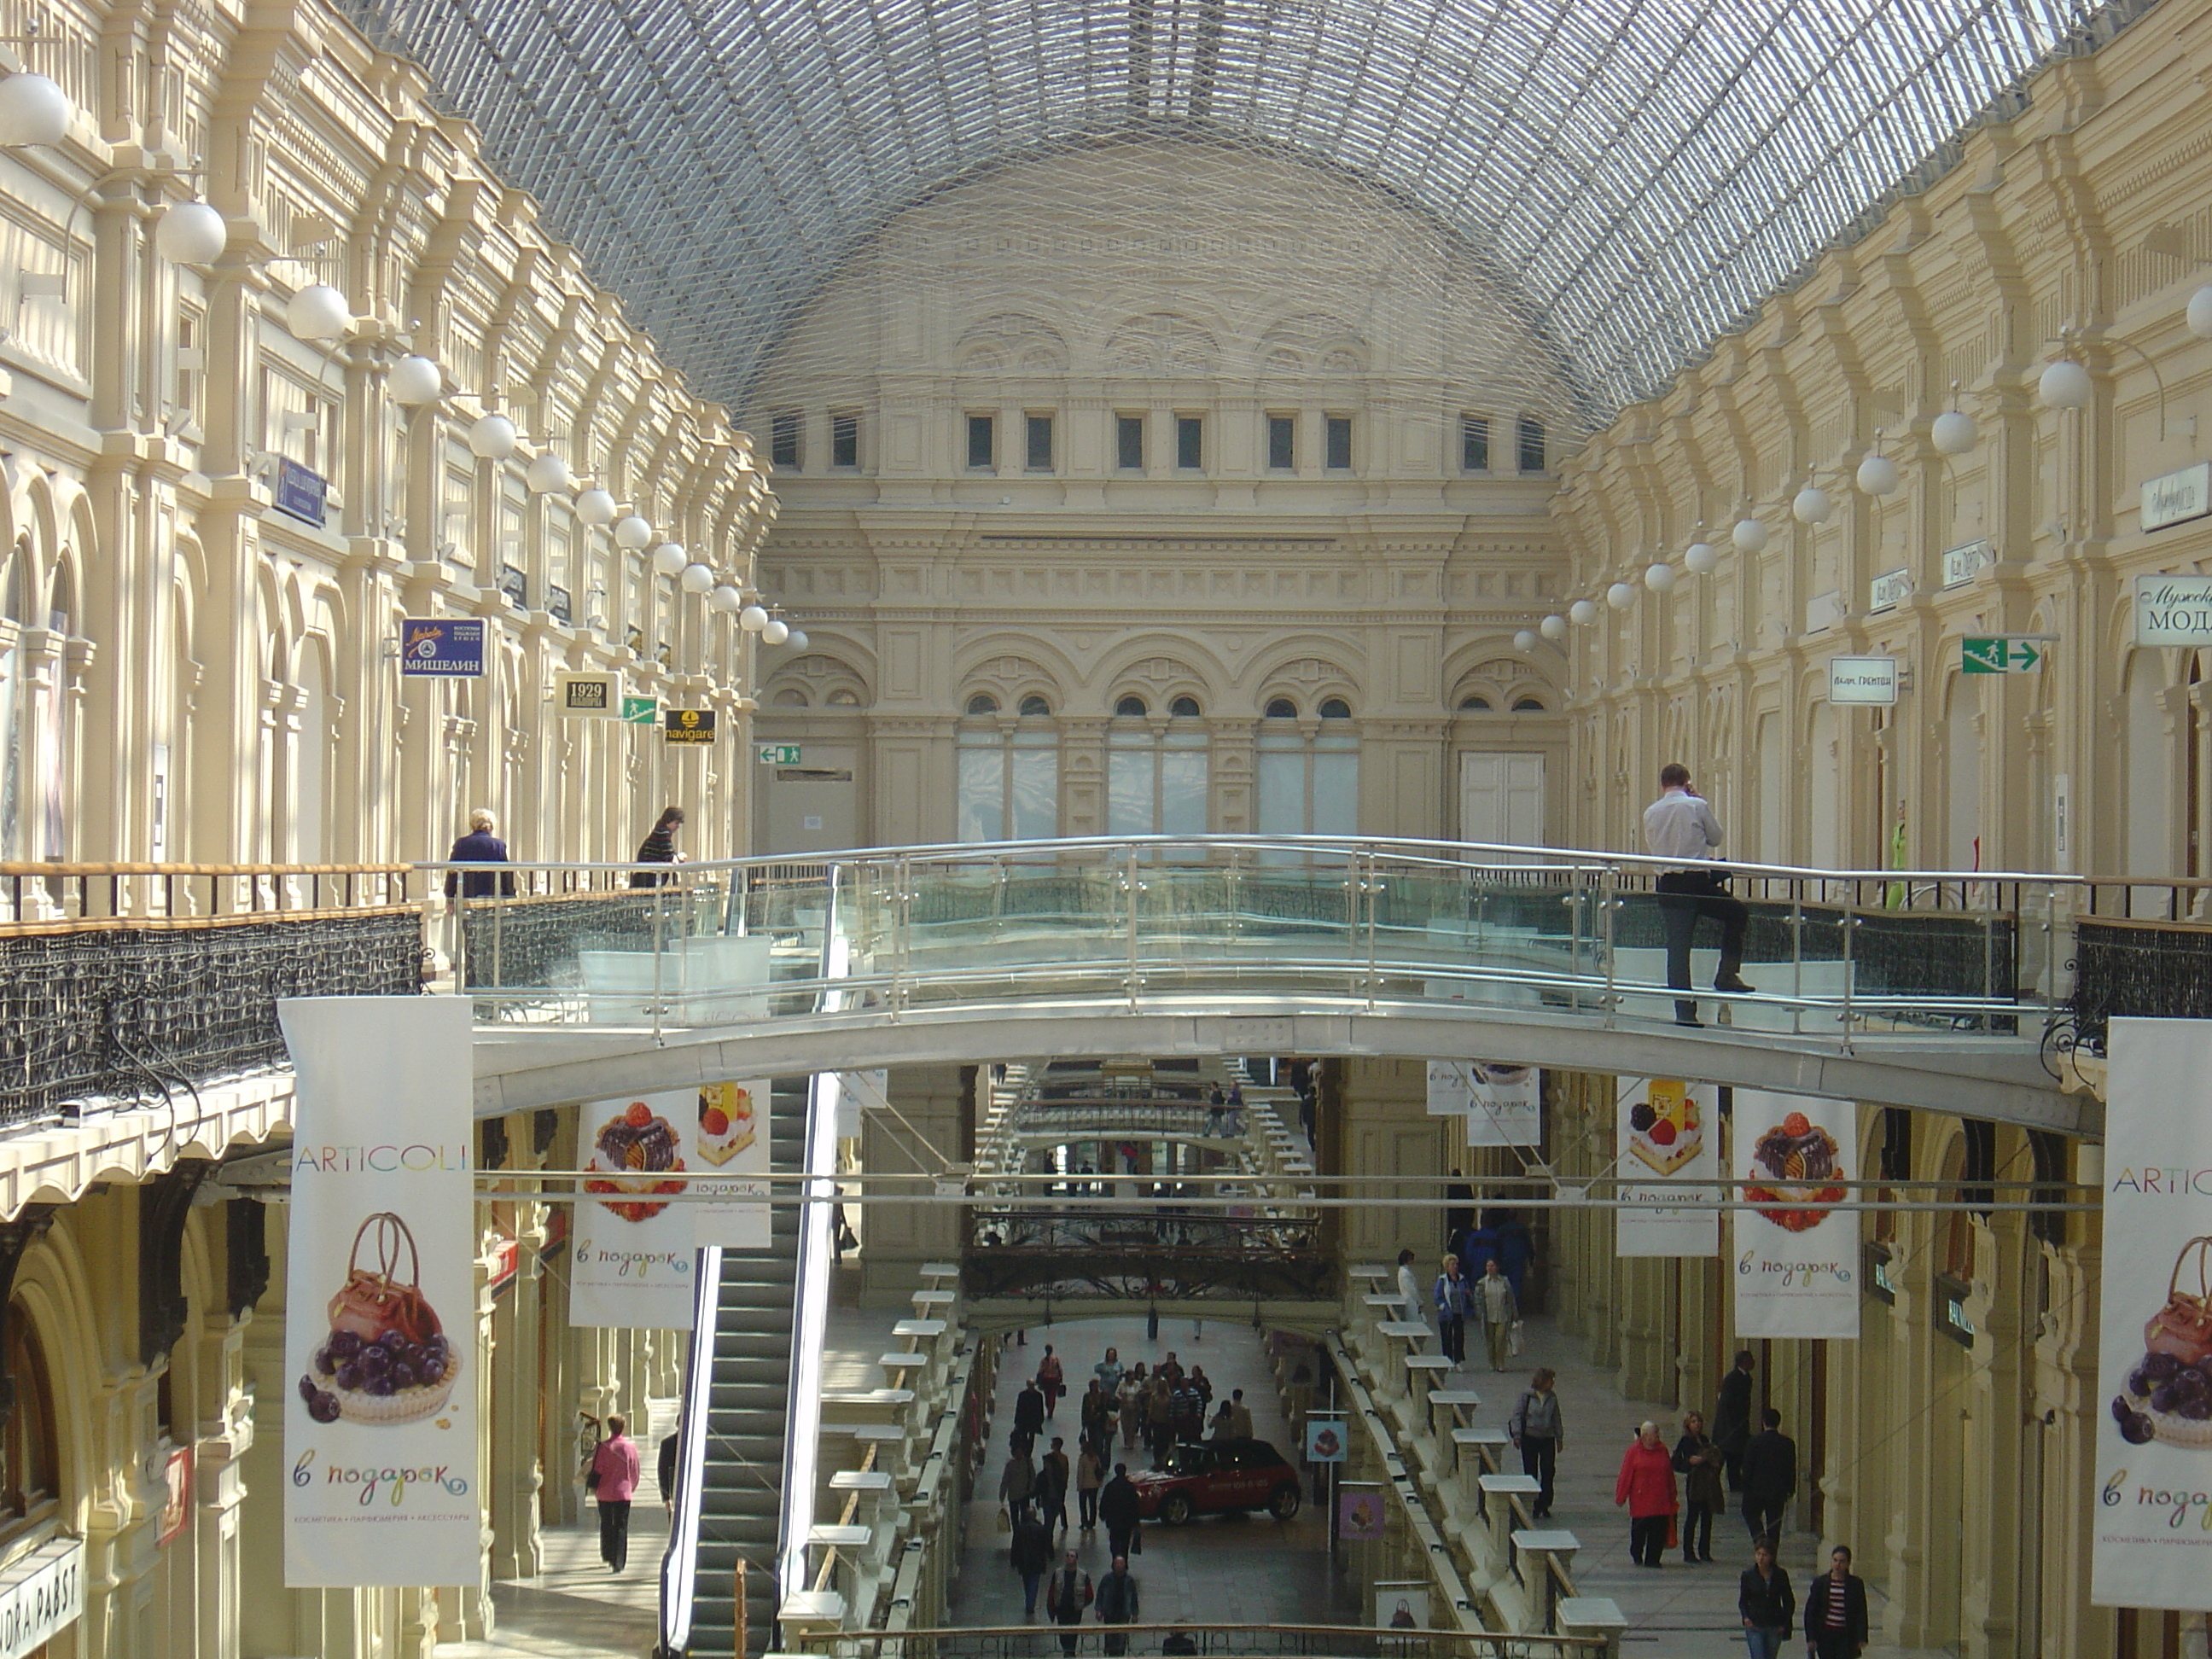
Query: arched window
x=843, y=697
x=1281, y=708
x=1129, y=707
x=1307, y=785
x=790, y=697
x=1184, y=708
x=31, y=1480
x=1034, y=706
x=984, y=703
x=1528, y=706
x=1156, y=780
x=1335, y=709
x=1007, y=783
x=1478, y=703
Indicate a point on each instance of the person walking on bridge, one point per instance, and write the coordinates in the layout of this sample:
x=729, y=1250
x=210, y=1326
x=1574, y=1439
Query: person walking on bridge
x=1119, y=1507
x=1494, y=1300
x=1680, y=828
x=1117, y=1604
x=1032, y=1557
x=1065, y=1599
x=1452, y=1297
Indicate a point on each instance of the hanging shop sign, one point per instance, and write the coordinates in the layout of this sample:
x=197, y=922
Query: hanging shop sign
x=1329, y=1439
x=1666, y=1130
x=640, y=711
x=41, y=1595
x=1960, y=562
x=1870, y=680
x=379, y=1413
x=688, y=725
x=1508, y=1105
x=593, y=695
x=1451, y=1088
x=441, y=647
x=731, y=1138
x=1363, y=1513
x=301, y=493
x=1888, y=591
x=1796, y=1254
x=635, y=1261
x=2173, y=611
x=176, y=1497
x=2177, y=497
x=2152, y=1546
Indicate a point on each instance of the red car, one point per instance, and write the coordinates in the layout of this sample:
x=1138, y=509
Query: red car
x=1217, y=1477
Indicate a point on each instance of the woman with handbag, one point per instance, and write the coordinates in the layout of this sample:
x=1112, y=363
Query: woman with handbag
x=1698, y=1461
x=612, y=1480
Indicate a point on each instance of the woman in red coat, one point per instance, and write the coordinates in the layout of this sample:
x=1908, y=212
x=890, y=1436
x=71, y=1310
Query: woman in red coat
x=1647, y=1487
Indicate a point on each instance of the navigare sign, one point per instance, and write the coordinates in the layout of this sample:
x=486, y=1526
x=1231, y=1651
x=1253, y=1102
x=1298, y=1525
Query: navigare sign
x=2013, y=653
x=779, y=754
x=688, y=725
x=1862, y=679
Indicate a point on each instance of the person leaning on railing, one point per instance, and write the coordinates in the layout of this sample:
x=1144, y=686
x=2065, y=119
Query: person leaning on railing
x=482, y=845
x=658, y=846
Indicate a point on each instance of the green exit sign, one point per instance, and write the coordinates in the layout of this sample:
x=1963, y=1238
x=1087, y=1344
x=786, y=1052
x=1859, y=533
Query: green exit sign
x=779, y=754
x=2014, y=654
x=641, y=711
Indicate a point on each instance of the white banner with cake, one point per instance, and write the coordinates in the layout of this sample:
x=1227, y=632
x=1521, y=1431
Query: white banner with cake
x=2153, y=1525
x=380, y=1419
x=1796, y=1254
x=732, y=1140
x=1451, y=1088
x=1667, y=1128
x=636, y=1258
x=1507, y=1109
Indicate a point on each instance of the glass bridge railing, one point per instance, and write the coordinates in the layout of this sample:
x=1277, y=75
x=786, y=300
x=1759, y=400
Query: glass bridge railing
x=1361, y=924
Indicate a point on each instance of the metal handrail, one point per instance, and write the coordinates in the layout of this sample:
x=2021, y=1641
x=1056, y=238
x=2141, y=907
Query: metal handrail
x=1316, y=1639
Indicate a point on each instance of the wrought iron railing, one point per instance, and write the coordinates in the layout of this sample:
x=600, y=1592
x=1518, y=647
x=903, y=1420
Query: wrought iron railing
x=1220, y=1641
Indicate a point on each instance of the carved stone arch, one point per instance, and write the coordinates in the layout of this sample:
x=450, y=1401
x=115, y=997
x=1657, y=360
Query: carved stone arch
x=1313, y=342
x=1160, y=670
x=1304, y=659
x=820, y=681
x=1308, y=682
x=42, y=1275
x=1162, y=344
x=1005, y=658
x=1007, y=679
x=1011, y=342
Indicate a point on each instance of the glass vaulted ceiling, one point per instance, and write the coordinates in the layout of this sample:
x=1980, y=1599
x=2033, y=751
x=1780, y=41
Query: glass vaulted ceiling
x=1642, y=172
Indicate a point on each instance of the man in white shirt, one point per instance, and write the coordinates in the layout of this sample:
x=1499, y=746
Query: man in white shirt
x=1679, y=825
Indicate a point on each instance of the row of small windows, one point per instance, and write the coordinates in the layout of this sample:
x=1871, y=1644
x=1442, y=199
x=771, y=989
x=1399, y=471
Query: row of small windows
x=1039, y=454
x=1182, y=708
x=1521, y=706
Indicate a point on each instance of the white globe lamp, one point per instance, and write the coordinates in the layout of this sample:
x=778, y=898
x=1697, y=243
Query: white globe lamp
x=1621, y=596
x=2065, y=385
x=547, y=473
x=33, y=110
x=415, y=381
x=1660, y=578
x=1700, y=558
x=596, y=507
x=1811, y=505
x=1525, y=641
x=670, y=558
x=2200, y=313
x=797, y=640
x=1878, y=474
x=633, y=533
x=1553, y=628
x=697, y=579
x=1749, y=535
x=777, y=631
x=727, y=599
x=492, y=438
x=752, y=619
x=191, y=234
x=1953, y=432
x=1581, y=612
x=317, y=312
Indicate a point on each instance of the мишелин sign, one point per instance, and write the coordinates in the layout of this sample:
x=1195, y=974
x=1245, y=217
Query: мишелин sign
x=2173, y=611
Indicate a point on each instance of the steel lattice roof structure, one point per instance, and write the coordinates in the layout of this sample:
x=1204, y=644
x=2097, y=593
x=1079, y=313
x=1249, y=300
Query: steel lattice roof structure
x=1641, y=173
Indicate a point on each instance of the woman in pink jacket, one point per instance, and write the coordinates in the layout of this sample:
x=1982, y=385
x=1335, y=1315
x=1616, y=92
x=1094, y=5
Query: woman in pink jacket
x=1647, y=1487
x=613, y=1479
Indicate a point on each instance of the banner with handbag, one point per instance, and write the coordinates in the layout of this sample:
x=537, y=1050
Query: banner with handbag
x=380, y=1419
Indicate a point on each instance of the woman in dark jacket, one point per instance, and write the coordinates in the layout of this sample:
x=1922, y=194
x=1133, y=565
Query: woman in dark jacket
x=1836, y=1610
x=1698, y=1461
x=482, y=845
x=1764, y=1600
x=658, y=848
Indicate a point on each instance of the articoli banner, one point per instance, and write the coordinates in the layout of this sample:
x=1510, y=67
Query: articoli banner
x=380, y=1415
x=2151, y=1531
x=636, y=1256
x=1668, y=1132
x=1796, y=1255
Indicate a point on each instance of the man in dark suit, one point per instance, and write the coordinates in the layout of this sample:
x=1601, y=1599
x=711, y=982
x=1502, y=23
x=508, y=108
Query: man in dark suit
x=1836, y=1611
x=1117, y=1604
x=1770, y=1476
x=1732, y=1419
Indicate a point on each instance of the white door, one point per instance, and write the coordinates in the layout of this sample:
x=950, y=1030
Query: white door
x=1501, y=800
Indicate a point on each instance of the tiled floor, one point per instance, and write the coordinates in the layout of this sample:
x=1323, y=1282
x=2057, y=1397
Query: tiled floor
x=1219, y=1569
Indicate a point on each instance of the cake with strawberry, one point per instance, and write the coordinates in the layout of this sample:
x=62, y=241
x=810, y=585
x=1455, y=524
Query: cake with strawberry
x=1799, y=1163
x=727, y=1126
x=636, y=1153
x=1666, y=1128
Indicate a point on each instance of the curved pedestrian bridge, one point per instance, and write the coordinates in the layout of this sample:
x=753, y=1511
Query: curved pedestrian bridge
x=1913, y=988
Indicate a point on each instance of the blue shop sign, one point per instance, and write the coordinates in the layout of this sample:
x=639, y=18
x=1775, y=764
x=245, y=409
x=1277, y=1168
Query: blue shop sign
x=441, y=646
x=300, y=492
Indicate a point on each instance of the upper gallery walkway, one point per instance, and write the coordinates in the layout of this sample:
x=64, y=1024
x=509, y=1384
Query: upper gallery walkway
x=1913, y=988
